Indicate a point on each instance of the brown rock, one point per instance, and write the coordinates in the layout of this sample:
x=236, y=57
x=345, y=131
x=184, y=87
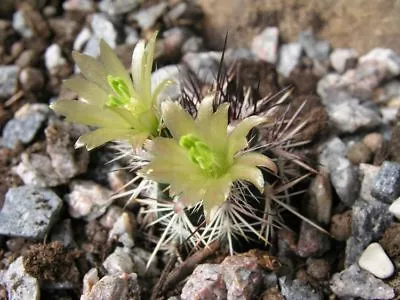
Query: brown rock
x=373, y=141
x=318, y=268
x=341, y=226
x=391, y=240
x=31, y=79
x=359, y=153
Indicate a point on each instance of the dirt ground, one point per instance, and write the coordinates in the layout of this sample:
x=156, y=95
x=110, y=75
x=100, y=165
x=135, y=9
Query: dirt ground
x=360, y=24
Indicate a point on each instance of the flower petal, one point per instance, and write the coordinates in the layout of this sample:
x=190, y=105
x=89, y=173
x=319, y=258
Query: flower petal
x=88, y=90
x=92, y=70
x=149, y=57
x=205, y=109
x=101, y=136
x=137, y=66
x=87, y=114
x=217, y=192
x=248, y=173
x=237, y=138
x=256, y=159
x=178, y=121
x=159, y=89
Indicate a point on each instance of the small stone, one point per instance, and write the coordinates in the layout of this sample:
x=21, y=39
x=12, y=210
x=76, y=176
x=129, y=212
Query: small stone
x=389, y=114
x=387, y=182
x=340, y=57
x=140, y=258
x=21, y=26
x=29, y=212
x=367, y=173
x=146, y=18
x=326, y=85
x=131, y=35
x=193, y=44
x=123, y=230
x=394, y=208
x=104, y=29
x=242, y=275
x=265, y=45
x=89, y=280
x=53, y=58
x=81, y=39
x=79, y=5
x=394, y=144
x=289, y=58
x=312, y=242
x=25, y=125
x=108, y=287
x=8, y=80
x=118, y=7
x=386, y=57
x=65, y=30
x=20, y=285
x=315, y=49
x=31, y=79
x=172, y=43
x=320, y=202
x=63, y=233
x=206, y=282
x=172, y=72
x=375, y=260
x=318, y=268
x=92, y=47
x=28, y=58
x=341, y=226
x=233, y=55
x=87, y=199
x=359, y=153
x=205, y=65
x=118, y=262
x=387, y=92
x=373, y=141
x=355, y=282
x=111, y=216
x=272, y=293
x=298, y=290
x=390, y=241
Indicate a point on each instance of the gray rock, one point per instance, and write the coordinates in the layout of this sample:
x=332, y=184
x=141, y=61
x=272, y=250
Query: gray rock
x=234, y=54
x=172, y=72
x=25, y=125
x=206, y=282
x=385, y=57
x=123, y=230
x=297, y=290
x=326, y=85
x=315, y=49
x=118, y=7
x=131, y=35
x=8, y=80
x=81, y=39
x=243, y=276
x=367, y=173
x=369, y=221
x=119, y=262
x=104, y=29
x=53, y=58
x=87, y=199
x=92, y=47
x=341, y=56
x=388, y=91
x=79, y=5
x=320, y=202
x=342, y=173
x=29, y=212
x=147, y=17
x=20, y=285
x=19, y=24
x=289, y=58
x=140, y=259
x=354, y=282
x=389, y=114
x=205, y=65
x=265, y=45
x=173, y=41
x=312, y=242
x=387, y=182
x=193, y=44
x=63, y=233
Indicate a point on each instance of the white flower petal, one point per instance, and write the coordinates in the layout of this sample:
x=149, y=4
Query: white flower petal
x=256, y=159
x=247, y=173
x=88, y=90
x=101, y=136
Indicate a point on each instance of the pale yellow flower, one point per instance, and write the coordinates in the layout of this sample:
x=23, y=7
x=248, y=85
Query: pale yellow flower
x=120, y=107
x=202, y=160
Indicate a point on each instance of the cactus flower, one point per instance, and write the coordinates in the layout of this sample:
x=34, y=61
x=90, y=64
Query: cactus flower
x=202, y=160
x=119, y=107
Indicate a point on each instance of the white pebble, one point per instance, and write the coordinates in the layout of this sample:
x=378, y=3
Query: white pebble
x=375, y=260
x=394, y=208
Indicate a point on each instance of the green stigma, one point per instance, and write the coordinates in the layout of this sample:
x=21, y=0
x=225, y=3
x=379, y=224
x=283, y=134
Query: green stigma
x=201, y=154
x=121, y=91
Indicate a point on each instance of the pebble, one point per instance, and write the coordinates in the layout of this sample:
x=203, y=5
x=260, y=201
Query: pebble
x=119, y=262
x=312, y=242
x=373, y=141
x=81, y=39
x=31, y=79
x=394, y=208
x=375, y=260
x=369, y=222
x=232, y=55
x=318, y=268
x=172, y=72
x=79, y=5
x=29, y=212
x=104, y=29
x=367, y=173
x=326, y=85
x=340, y=58
x=27, y=58
x=315, y=49
x=19, y=284
x=342, y=173
x=146, y=18
x=53, y=58
x=118, y=7
x=173, y=41
x=289, y=58
x=355, y=282
x=386, y=57
x=87, y=199
x=25, y=125
x=20, y=25
x=389, y=114
x=140, y=258
x=131, y=35
x=92, y=47
x=359, y=153
x=205, y=65
x=387, y=92
x=111, y=216
x=340, y=228
x=206, y=282
x=298, y=290
x=319, y=204
x=193, y=44
x=387, y=182
x=8, y=80
x=265, y=45
x=63, y=233
x=124, y=229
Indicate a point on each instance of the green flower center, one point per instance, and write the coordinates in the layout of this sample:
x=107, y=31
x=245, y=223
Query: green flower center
x=202, y=155
x=121, y=91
